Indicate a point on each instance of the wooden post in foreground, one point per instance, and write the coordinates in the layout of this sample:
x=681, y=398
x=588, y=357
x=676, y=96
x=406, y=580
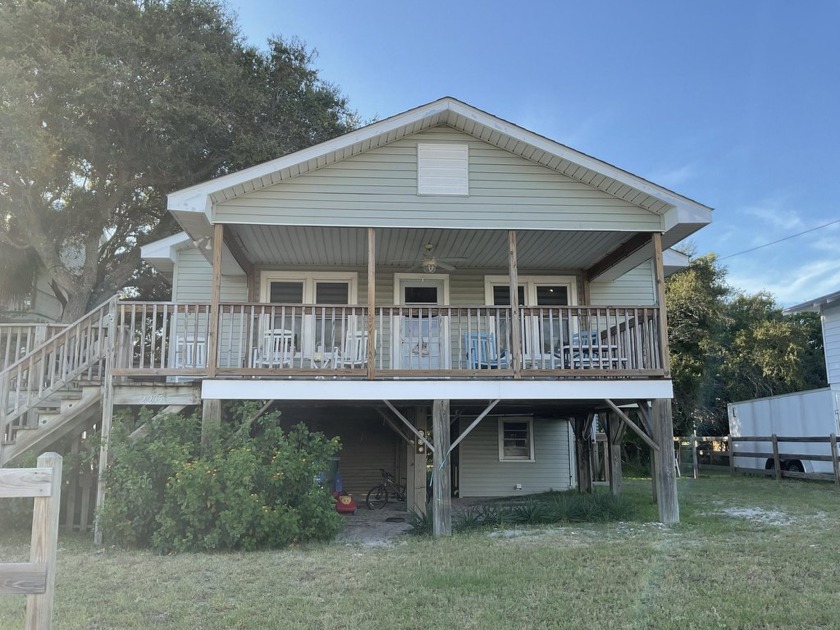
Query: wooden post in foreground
x=515, y=331
x=666, y=479
x=35, y=579
x=442, y=499
x=583, y=453
x=44, y=543
x=834, y=460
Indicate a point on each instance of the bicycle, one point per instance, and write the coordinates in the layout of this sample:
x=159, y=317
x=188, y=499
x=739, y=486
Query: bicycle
x=379, y=495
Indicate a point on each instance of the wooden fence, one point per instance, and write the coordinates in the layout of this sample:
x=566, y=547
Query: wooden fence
x=36, y=578
x=777, y=470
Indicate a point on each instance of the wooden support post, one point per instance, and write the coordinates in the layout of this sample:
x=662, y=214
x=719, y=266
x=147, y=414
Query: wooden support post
x=583, y=453
x=107, y=416
x=442, y=500
x=211, y=419
x=659, y=274
x=215, y=294
x=416, y=466
x=614, y=435
x=834, y=458
x=371, y=303
x=695, y=463
x=44, y=544
x=777, y=462
x=72, y=489
x=515, y=333
x=666, y=481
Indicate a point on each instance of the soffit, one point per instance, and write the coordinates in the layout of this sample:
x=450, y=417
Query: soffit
x=474, y=249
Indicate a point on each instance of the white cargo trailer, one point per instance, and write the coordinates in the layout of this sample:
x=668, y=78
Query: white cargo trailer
x=814, y=413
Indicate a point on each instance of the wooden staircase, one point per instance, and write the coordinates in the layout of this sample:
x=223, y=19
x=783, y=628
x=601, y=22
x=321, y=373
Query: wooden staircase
x=56, y=387
x=59, y=415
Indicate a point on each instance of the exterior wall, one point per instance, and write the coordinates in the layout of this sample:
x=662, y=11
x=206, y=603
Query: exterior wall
x=380, y=188
x=831, y=339
x=192, y=280
x=481, y=474
x=366, y=444
x=634, y=288
x=42, y=306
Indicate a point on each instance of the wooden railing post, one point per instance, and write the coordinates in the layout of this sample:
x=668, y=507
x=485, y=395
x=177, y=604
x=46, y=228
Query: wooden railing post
x=35, y=579
x=44, y=544
x=834, y=459
x=213, y=324
x=776, y=460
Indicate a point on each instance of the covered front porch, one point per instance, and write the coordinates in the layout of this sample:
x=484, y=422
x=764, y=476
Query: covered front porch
x=377, y=303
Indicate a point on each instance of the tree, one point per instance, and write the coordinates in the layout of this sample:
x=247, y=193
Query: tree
x=107, y=106
x=728, y=345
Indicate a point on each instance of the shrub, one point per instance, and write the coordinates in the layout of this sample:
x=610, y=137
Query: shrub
x=237, y=492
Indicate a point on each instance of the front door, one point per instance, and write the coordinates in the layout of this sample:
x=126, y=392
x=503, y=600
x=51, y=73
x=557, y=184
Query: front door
x=422, y=330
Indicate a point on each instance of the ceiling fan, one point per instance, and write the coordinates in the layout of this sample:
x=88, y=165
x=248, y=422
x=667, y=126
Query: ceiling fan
x=430, y=263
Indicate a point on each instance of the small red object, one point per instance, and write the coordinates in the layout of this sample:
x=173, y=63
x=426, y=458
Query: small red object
x=344, y=503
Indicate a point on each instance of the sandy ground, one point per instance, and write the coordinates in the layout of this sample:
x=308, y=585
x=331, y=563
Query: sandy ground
x=370, y=527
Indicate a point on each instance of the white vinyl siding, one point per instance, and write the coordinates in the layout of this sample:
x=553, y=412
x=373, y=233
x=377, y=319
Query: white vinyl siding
x=481, y=474
x=379, y=188
x=443, y=169
x=634, y=288
x=831, y=339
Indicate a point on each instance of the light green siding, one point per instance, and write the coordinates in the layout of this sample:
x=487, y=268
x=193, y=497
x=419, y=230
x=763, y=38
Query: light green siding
x=634, y=288
x=379, y=188
x=192, y=280
x=481, y=474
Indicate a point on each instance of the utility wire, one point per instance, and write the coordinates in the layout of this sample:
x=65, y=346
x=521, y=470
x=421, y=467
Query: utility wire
x=786, y=238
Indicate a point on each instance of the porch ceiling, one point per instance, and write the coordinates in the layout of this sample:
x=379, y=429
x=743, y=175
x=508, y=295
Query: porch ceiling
x=464, y=249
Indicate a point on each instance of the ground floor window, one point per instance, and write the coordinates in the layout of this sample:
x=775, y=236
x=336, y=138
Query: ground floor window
x=516, y=440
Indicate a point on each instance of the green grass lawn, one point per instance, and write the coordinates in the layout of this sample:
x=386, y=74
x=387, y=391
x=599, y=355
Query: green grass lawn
x=749, y=553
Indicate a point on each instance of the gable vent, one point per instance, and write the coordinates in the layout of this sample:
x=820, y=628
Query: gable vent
x=443, y=169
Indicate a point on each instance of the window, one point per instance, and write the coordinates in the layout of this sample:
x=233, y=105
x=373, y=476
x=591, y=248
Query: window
x=443, y=169
x=516, y=440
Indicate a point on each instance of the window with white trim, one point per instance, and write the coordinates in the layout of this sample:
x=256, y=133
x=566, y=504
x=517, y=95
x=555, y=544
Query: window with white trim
x=443, y=169
x=320, y=330
x=516, y=440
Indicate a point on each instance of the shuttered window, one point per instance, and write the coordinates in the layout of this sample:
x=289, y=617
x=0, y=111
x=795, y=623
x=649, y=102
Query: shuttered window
x=443, y=169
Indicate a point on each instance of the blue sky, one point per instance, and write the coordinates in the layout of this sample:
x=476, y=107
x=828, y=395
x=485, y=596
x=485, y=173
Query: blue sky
x=734, y=104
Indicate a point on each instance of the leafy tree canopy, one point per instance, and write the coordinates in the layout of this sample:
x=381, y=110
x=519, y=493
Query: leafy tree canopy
x=727, y=346
x=105, y=107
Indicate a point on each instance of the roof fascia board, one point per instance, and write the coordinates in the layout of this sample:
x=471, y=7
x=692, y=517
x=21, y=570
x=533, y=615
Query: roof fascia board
x=813, y=306
x=190, y=199
x=567, y=153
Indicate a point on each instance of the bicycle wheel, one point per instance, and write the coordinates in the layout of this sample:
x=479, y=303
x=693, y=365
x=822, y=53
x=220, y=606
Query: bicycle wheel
x=377, y=498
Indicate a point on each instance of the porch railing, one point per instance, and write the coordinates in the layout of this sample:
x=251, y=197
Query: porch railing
x=257, y=339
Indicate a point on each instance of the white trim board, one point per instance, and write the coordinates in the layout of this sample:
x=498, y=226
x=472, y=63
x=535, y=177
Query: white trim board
x=434, y=390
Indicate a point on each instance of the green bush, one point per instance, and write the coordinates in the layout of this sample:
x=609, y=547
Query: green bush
x=238, y=491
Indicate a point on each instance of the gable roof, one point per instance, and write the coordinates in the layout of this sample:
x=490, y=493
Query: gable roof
x=193, y=206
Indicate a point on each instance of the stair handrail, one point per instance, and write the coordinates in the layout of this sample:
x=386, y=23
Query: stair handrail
x=96, y=352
